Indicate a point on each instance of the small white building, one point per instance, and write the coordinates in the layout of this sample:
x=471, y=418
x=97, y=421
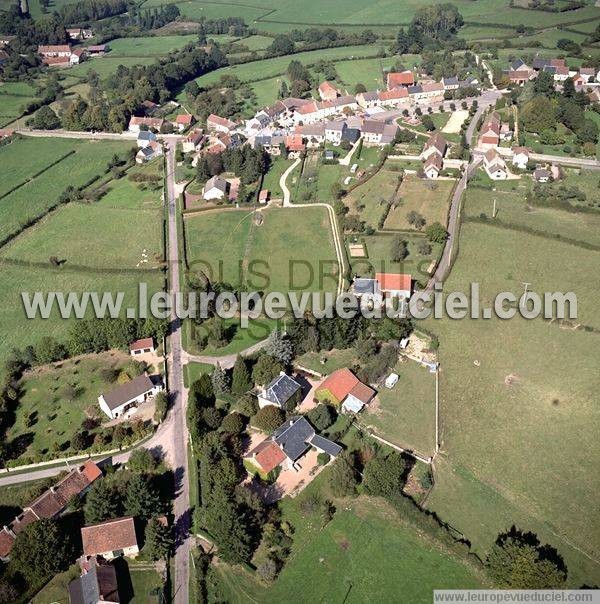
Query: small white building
x=143, y=346
x=215, y=188
x=128, y=396
x=520, y=157
x=494, y=165
x=391, y=380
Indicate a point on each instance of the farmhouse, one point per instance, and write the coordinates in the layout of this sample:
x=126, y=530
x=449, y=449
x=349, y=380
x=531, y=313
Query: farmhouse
x=148, y=152
x=287, y=445
x=128, y=396
x=193, y=141
x=334, y=131
x=378, y=133
x=368, y=100
x=398, y=79
x=541, y=175
x=294, y=144
x=395, y=285
x=283, y=392
x=328, y=92
x=145, y=137
x=143, y=346
x=97, y=50
x=215, y=188
x=494, y=165
x=343, y=388
x=313, y=134
x=220, y=124
x=367, y=290
x=393, y=98
x=97, y=584
x=110, y=539
x=51, y=503
x=58, y=50
x=79, y=33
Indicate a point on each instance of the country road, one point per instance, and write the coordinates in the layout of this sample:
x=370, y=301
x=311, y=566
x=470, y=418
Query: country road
x=113, y=136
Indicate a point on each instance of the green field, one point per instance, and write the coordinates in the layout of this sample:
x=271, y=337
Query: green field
x=369, y=71
x=368, y=553
x=13, y=96
x=59, y=400
x=405, y=415
x=106, y=66
x=230, y=245
x=518, y=427
x=156, y=46
x=271, y=180
x=38, y=193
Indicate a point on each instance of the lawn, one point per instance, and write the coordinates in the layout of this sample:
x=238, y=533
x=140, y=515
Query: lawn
x=106, y=66
x=13, y=96
x=405, y=415
x=271, y=180
x=518, y=428
x=150, y=46
x=326, y=362
x=56, y=590
x=430, y=199
x=254, y=42
x=273, y=256
x=378, y=258
x=56, y=400
x=145, y=584
x=34, y=197
x=266, y=91
x=193, y=371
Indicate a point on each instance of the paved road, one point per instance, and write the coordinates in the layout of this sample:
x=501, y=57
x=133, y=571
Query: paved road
x=178, y=394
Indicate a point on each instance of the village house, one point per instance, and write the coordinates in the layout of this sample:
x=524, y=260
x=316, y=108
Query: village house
x=145, y=137
x=415, y=92
x=378, y=133
x=394, y=285
x=490, y=132
x=129, y=395
x=193, y=141
x=393, y=98
x=506, y=133
x=143, y=346
x=270, y=143
x=368, y=100
x=520, y=157
x=219, y=124
x=343, y=389
x=313, y=134
x=328, y=92
x=286, y=447
x=495, y=165
x=6, y=39
x=183, y=121
x=541, y=175
x=519, y=73
x=79, y=33
x=110, y=539
x=97, y=585
x=148, y=152
x=97, y=50
x=334, y=131
x=432, y=166
x=282, y=391
x=137, y=124
x=56, y=55
x=51, y=503
x=215, y=188
x=263, y=196
x=398, y=79
x=432, y=91
x=367, y=291
x=450, y=83
x=435, y=145
x=294, y=144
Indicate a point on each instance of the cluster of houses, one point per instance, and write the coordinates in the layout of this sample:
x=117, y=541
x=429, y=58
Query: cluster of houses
x=519, y=72
x=50, y=504
x=65, y=55
x=287, y=446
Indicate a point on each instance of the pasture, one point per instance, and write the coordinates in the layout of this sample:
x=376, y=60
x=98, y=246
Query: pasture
x=156, y=46
x=405, y=415
x=107, y=66
x=13, y=97
x=44, y=167
x=518, y=417
x=428, y=198
x=289, y=251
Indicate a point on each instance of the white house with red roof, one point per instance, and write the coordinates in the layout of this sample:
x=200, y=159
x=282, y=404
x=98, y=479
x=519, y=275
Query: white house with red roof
x=220, y=124
x=110, y=539
x=142, y=346
x=328, y=92
x=183, y=121
x=342, y=388
x=400, y=78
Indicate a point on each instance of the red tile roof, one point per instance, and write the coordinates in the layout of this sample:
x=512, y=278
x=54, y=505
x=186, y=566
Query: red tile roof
x=390, y=95
x=393, y=282
x=141, y=344
x=91, y=471
x=402, y=78
x=362, y=392
x=184, y=118
x=108, y=536
x=221, y=121
x=340, y=383
x=48, y=505
x=268, y=455
x=23, y=520
x=6, y=543
x=294, y=142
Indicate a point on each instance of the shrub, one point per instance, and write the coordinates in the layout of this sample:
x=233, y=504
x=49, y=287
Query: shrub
x=323, y=459
x=268, y=419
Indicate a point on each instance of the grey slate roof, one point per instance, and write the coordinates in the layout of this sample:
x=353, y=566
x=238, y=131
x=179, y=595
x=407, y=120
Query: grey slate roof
x=281, y=389
x=128, y=391
x=294, y=436
x=453, y=81
x=415, y=89
x=550, y=69
x=364, y=286
x=335, y=126
x=351, y=134
x=517, y=64
x=540, y=63
x=216, y=182
x=326, y=445
x=98, y=584
x=146, y=135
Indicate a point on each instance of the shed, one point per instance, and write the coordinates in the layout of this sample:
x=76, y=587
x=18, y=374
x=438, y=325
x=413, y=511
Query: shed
x=391, y=380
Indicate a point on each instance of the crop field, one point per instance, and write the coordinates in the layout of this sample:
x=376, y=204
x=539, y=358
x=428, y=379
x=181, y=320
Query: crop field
x=405, y=415
x=517, y=402
x=13, y=95
x=55, y=401
x=379, y=256
x=230, y=244
x=430, y=199
x=156, y=46
x=35, y=194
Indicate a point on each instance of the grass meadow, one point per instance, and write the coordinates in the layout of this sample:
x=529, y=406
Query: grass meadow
x=518, y=417
x=233, y=248
x=66, y=162
x=13, y=96
x=156, y=46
